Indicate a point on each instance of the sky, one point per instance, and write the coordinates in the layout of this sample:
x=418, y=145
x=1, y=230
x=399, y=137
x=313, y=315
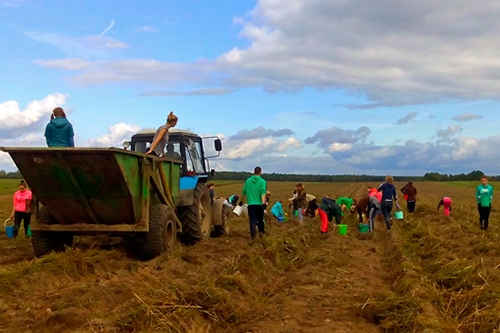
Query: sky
x=305, y=86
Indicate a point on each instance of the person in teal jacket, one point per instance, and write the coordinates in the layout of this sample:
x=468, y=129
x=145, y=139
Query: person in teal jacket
x=255, y=191
x=484, y=196
x=277, y=211
x=59, y=131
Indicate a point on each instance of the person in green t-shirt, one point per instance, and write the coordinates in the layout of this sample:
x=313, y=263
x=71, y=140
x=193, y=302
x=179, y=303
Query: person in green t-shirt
x=255, y=191
x=484, y=196
x=347, y=204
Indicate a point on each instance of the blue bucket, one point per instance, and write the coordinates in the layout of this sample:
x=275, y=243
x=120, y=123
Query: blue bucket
x=9, y=229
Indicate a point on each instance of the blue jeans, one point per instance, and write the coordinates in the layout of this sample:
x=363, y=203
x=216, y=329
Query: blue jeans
x=371, y=217
x=256, y=219
x=386, y=211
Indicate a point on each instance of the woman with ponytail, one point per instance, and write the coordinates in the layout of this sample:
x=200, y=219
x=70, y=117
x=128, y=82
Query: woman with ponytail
x=160, y=139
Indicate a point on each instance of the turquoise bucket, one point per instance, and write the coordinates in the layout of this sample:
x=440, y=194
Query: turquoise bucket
x=363, y=228
x=9, y=229
x=399, y=215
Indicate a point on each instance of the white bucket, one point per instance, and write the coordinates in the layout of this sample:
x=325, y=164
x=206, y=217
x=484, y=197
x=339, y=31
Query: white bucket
x=238, y=210
x=245, y=209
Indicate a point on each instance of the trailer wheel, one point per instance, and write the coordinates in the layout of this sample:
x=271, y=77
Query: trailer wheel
x=45, y=242
x=162, y=234
x=219, y=218
x=197, y=218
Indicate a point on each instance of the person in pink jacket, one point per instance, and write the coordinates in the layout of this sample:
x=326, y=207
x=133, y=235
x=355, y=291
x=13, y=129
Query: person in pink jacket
x=21, y=209
x=446, y=203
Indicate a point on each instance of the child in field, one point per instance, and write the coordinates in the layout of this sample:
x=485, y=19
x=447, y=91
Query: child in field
x=446, y=203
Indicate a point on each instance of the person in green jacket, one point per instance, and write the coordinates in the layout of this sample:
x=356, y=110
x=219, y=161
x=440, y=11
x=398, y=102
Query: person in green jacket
x=346, y=204
x=255, y=191
x=484, y=196
x=329, y=209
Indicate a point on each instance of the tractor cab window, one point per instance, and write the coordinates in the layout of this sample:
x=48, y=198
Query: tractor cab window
x=141, y=146
x=194, y=163
x=173, y=150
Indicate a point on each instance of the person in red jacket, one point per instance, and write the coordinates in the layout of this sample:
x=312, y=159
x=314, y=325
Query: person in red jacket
x=21, y=209
x=409, y=191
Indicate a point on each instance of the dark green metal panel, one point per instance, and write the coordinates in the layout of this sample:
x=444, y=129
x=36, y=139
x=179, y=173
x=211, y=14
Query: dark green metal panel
x=89, y=185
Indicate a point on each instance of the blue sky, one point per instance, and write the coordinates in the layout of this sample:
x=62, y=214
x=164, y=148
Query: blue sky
x=304, y=86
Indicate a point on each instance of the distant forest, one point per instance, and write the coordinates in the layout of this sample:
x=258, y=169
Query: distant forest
x=241, y=175
x=430, y=176
x=10, y=175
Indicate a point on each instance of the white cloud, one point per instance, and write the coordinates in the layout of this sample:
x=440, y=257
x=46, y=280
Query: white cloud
x=258, y=141
x=335, y=147
x=290, y=143
x=94, y=46
x=249, y=148
x=6, y=163
x=12, y=3
x=449, y=131
x=115, y=137
x=15, y=123
x=148, y=28
x=393, y=52
x=467, y=116
x=110, y=26
x=406, y=119
x=71, y=64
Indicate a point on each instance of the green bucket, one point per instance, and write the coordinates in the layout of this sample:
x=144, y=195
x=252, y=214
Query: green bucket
x=399, y=215
x=342, y=229
x=363, y=228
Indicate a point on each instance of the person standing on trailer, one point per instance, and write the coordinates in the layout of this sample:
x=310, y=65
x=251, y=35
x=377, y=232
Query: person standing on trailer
x=160, y=139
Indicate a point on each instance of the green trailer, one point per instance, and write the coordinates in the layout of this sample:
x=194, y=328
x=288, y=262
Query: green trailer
x=85, y=191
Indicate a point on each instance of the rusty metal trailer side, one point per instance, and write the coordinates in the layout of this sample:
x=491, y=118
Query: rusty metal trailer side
x=94, y=190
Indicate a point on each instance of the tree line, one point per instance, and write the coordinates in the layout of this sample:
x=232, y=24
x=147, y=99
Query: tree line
x=242, y=175
x=430, y=176
x=10, y=175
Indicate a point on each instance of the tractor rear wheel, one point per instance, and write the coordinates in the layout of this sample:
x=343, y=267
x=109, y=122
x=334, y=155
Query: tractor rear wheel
x=162, y=234
x=197, y=218
x=220, y=218
x=45, y=242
